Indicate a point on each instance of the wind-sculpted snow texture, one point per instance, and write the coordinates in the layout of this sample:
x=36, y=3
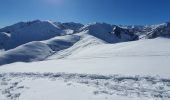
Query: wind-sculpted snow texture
x=12, y=84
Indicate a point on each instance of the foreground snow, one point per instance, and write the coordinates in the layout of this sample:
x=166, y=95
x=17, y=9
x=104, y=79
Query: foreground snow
x=65, y=86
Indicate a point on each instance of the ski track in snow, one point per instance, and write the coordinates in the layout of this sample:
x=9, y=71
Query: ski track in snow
x=154, y=87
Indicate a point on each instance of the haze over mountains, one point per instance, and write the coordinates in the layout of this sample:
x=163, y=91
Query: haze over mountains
x=38, y=40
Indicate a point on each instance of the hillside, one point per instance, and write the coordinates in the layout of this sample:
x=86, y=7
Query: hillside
x=97, y=61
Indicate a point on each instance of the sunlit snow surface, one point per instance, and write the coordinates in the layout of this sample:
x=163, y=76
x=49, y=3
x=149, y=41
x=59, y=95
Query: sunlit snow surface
x=65, y=86
x=137, y=70
x=143, y=57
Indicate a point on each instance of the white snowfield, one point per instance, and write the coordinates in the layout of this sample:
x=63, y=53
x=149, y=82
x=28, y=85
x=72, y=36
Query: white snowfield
x=66, y=86
x=91, y=62
x=143, y=57
x=137, y=70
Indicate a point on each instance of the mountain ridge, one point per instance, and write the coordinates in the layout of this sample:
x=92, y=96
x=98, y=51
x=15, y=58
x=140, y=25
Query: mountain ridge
x=17, y=39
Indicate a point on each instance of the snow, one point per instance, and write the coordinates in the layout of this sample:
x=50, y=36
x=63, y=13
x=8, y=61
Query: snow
x=138, y=48
x=84, y=42
x=37, y=50
x=32, y=51
x=94, y=70
x=125, y=66
x=65, y=86
x=61, y=91
x=70, y=61
x=129, y=58
x=108, y=33
x=4, y=37
x=61, y=42
x=160, y=30
x=25, y=32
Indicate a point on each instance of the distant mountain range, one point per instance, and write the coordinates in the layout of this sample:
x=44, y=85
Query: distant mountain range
x=38, y=40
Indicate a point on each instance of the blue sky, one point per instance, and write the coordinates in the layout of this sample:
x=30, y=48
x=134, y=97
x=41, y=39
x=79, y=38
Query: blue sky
x=111, y=11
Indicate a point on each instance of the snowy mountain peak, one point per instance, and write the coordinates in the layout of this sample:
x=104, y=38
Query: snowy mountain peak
x=56, y=37
x=160, y=30
x=24, y=32
x=109, y=33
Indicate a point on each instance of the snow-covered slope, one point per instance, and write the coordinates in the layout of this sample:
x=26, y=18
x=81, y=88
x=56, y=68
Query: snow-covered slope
x=161, y=30
x=49, y=32
x=136, y=70
x=32, y=51
x=85, y=41
x=109, y=33
x=4, y=38
x=74, y=36
x=37, y=50
x=96, y=62
x=150, y=47
x=128, y=58
x=25, y=32
x=61, y=42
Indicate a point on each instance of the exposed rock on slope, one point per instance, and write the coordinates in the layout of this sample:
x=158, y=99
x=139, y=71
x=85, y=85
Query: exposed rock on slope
x=109, y=33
